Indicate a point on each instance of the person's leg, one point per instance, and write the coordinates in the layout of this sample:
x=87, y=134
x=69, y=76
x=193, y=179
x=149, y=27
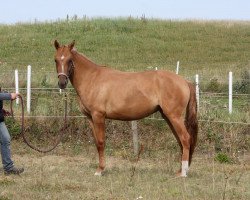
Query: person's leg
x=5, y=147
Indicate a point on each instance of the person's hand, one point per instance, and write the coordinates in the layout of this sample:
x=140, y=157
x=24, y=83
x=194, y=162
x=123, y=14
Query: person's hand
x=14, y=96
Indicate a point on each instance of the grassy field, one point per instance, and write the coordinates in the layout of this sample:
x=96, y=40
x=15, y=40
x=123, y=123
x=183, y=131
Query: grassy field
x=67, y=175
x=210, y=48
x=220, y=169
x=207, y=47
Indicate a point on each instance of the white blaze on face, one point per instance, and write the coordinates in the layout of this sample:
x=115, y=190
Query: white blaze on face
x=62, y=57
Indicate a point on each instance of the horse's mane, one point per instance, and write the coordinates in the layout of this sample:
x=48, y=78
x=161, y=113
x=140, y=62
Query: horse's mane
x=83, y=56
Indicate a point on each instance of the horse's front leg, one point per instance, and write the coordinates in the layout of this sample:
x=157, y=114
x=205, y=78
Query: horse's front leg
x=99, y=134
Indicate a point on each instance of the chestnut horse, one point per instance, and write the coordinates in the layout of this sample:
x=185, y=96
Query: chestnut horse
x=107, y=93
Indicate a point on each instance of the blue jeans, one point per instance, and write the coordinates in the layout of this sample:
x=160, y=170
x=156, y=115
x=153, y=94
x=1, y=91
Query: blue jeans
x=5, y=147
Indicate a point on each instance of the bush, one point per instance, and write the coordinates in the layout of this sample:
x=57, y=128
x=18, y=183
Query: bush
x=215, y=86
x=13, y=126
x=244, y=85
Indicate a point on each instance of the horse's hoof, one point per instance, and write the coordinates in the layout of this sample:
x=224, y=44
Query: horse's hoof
x=179, y=174
x=98, y=173
x=183, y=175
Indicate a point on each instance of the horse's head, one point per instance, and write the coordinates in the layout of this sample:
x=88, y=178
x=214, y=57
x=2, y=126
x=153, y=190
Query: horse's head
x=64, y=63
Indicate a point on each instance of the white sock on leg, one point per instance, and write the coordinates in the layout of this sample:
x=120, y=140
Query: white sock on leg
x=184, y=168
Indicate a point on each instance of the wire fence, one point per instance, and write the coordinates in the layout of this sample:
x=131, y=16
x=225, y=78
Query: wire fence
x=185, y=71
x=212, y=105
x=47, y=113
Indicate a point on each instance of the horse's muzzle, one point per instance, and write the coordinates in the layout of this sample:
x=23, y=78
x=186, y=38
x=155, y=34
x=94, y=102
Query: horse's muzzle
x=63, y=81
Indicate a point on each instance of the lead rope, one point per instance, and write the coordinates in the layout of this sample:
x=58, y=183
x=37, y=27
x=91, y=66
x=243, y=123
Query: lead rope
x=62, y=130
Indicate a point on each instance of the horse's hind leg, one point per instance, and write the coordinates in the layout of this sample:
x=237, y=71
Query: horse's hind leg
x=184, y=139
x=98, y=125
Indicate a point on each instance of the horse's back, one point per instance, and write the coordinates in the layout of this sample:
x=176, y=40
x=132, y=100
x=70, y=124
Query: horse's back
x=129, y=95
x=134, y=95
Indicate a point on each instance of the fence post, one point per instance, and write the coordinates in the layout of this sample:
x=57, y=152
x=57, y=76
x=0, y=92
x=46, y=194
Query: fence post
x=197, y=90
x=16, y=85
x=230, y=91
x=135, y=136
x=177, y=67
x=28, y=88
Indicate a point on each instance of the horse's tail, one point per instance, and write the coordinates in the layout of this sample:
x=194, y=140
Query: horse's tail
x=191, y=121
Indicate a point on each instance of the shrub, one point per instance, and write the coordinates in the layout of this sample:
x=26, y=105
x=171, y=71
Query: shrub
x=214, y=86
x=244, y=85
x=14, y=127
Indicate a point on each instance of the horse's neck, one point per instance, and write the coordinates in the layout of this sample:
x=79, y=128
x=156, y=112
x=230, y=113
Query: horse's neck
x=83, y=70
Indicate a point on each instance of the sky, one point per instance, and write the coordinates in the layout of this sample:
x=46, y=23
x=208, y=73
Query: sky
x=15, y=11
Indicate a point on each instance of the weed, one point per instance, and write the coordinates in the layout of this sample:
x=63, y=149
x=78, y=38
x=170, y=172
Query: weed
x=222, y=158
x=4, y=198
x=44, y=82
x=14, y=127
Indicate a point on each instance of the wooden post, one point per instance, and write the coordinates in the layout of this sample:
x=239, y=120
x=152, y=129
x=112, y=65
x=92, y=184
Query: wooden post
x=28, y=88
x=135, y=136
x=177, y=67
x=16, y=85
x=230, y=91
x=197, y=90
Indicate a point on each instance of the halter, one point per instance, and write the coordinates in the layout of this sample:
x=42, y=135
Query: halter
x=63, y=74
x=70, y=71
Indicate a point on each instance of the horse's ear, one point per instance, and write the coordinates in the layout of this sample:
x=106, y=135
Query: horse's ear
x=71, y=45
x=56, y=44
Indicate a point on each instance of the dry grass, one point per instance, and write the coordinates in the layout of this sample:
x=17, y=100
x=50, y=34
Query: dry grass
x=210, y=49
x=65, y=175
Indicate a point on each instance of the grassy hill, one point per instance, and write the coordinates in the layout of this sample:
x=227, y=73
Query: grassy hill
x=207, y=47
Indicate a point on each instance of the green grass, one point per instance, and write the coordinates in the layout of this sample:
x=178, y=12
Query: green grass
x=207, y=47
